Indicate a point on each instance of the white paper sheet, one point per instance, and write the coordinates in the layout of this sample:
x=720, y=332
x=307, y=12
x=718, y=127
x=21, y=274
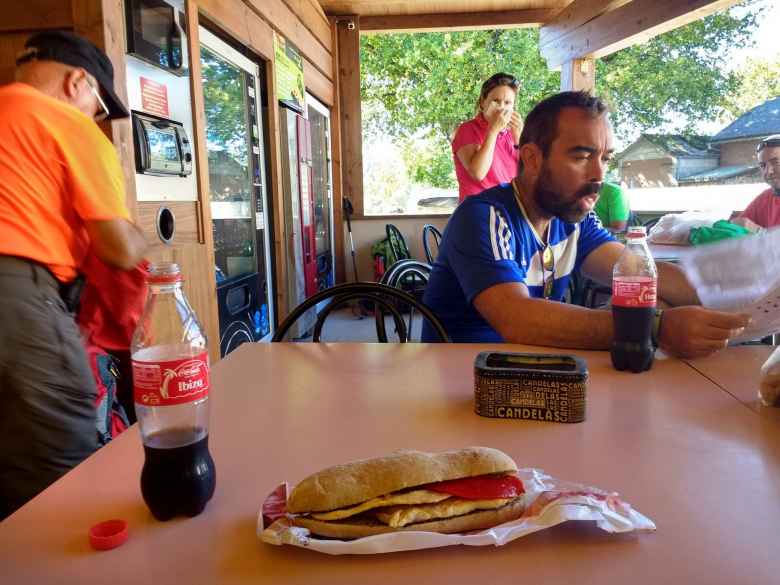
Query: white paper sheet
x=740, y=275
x=548, y=502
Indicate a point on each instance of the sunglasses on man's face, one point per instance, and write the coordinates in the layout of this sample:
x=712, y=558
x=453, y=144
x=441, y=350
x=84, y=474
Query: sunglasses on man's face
x=548, y=264
x=100, y=116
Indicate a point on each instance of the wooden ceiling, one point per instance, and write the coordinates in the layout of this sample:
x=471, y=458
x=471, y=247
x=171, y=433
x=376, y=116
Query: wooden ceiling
x=409, y=7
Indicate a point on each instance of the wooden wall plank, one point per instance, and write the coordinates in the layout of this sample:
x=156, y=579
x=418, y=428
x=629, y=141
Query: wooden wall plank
x=349, y=102
x=313, y=18
x=631, y=24
x=572, y=17
x=205, y=235
x=455, y=21
x=229, y=15
x=336, y=178
x=261, y=36
x=318, y=85
x=578, y=75
x=289, y=25
x=34, y=15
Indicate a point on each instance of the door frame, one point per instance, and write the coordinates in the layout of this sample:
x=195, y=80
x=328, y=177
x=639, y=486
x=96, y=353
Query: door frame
x=228, y=53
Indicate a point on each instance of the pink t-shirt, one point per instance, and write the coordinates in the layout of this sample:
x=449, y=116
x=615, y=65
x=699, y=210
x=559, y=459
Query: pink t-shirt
x=505, y=157
x=764, y=209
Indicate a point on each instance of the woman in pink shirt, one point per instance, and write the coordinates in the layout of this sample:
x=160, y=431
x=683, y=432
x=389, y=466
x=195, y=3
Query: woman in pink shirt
x=485, y=148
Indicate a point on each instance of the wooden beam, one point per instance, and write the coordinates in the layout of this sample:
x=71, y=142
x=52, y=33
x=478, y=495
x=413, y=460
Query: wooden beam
x=633, y=23
x=276, y=195
x=335, y=168
x=578, y=75
x=35, y=15
x=576, y=14
x=318, y=85
x=455, y=21
x=102, y=22
x=348, y=28
x=203, y=207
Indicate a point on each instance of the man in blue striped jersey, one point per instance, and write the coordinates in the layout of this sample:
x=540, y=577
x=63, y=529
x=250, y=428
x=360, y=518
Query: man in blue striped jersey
x=507, y=254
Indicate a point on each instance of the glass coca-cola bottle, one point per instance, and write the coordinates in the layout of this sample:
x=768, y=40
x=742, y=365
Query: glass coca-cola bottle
x=634, y=287
x=171, y=395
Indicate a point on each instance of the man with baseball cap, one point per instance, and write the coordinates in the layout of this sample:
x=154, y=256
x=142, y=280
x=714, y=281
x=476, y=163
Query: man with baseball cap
x=62, y=196
x=764, y=210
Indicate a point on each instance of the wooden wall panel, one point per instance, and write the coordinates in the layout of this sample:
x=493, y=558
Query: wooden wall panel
x=455, y=21
x=30, y=15
x=313, y=18
x=318, y=85
x=11, y=44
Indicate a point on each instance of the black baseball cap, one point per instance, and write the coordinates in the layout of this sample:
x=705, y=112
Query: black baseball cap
x=70, y=49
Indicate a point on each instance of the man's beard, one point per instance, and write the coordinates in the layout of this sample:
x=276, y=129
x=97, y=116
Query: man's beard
x=549, y=199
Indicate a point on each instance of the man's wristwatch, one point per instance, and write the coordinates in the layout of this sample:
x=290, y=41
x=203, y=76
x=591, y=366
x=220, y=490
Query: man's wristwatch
x=656, y=330
x=517, y=146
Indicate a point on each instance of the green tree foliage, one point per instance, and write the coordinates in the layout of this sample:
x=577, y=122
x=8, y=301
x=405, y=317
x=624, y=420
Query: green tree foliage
x=759, y=80
x=421, y=86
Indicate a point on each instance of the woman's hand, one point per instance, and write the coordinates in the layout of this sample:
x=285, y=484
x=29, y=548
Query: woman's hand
x=497, y=118
x=516, y=126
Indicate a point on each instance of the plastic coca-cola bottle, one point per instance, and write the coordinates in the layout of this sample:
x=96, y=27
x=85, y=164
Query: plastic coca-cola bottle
x=634, y=286
x=171, y=394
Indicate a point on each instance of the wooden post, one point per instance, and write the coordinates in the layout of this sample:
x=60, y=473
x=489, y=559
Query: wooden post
x=578, y=74
x=336, y=178
x=348, y=34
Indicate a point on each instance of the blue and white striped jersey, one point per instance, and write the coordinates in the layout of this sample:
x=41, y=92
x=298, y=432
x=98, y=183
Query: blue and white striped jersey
x=489, y=241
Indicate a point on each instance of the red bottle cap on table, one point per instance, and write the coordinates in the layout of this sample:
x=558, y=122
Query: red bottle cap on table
x=107, y=535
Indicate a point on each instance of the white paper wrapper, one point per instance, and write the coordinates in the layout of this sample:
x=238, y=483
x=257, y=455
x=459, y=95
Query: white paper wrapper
x=549, y=502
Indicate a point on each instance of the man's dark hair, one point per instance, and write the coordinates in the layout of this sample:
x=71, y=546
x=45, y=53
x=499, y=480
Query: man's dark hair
x=541, y=124
x=769, y=141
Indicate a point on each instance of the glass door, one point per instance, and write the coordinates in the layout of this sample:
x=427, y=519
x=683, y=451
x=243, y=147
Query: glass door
x=238, y=201
x=319, y=118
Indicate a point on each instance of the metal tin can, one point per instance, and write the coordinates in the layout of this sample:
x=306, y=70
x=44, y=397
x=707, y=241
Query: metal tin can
x=529, y=386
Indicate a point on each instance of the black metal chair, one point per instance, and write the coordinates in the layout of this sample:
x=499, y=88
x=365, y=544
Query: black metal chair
x=430, y=232
x=411, y=276
x=397, y=243
x=385, y=299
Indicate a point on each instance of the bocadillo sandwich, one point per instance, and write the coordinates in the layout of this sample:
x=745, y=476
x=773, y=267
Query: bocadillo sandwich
x=454, y=491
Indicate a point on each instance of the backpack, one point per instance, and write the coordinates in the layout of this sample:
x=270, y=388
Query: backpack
x=110, y=416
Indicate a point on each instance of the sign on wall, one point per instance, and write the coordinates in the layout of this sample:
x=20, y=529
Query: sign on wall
x=288, y=66
x=154, y=97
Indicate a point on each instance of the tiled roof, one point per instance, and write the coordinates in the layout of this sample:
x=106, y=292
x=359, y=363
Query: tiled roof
x=762, y=120
x=719, y=173
x=679, y=145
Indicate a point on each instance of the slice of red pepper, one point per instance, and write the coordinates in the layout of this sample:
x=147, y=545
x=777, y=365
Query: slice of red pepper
x=481, y=487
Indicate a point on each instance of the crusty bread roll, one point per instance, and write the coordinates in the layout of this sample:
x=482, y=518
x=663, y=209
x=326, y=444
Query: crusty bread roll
x=351, y=528
x=352, y=483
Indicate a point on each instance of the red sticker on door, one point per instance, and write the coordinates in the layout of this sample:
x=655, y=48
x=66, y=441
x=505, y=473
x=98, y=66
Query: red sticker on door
x=634, y=291
x=171, y=382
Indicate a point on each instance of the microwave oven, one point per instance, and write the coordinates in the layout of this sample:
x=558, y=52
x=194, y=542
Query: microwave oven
x=162, y=146
x=155, y=34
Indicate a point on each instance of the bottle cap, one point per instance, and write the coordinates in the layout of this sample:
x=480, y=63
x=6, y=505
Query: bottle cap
x=636, y=231
x=107, y=535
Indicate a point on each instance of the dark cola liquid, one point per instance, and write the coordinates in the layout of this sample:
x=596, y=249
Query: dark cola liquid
x=178, y=477
x=632, y=346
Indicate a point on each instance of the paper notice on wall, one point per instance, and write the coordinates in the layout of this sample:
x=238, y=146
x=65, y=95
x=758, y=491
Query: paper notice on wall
x=154, y=97
x=740, y=275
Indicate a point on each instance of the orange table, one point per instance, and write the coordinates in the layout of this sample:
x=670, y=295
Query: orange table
x=737, y=371
x=675, y=445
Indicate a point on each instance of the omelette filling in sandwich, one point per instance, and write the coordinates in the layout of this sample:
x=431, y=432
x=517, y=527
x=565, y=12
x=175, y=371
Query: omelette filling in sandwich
x=435, y=501
x=451, y=491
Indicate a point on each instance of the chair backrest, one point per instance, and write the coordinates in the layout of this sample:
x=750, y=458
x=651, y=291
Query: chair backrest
x=384, y=298
x=397, y=243
x=431, y=233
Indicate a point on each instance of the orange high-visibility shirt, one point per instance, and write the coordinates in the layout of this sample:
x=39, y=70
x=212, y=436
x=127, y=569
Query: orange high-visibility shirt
x=57, y=171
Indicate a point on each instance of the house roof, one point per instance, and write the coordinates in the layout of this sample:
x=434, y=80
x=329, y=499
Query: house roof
x=676, y=145
x=762, y=120
x=718, y=174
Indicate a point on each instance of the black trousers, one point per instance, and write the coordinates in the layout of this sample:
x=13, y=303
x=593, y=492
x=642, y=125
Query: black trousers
x=47, y=391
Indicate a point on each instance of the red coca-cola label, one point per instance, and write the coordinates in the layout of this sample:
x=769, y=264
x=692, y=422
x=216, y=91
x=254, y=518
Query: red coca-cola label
x=162, y=383
x=634, y=291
